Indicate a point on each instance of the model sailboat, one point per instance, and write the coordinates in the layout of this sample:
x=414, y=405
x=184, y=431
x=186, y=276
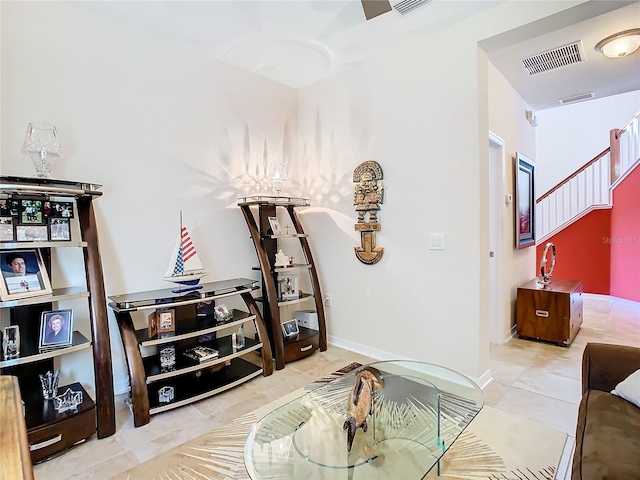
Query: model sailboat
x=185, y=267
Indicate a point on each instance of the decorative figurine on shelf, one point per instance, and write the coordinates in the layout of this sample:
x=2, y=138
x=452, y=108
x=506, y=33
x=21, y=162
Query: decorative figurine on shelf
x=360, y=404
x=367, y=197
x=546, y=275
x=49, y=382
x=185, y=267
x=282, y=260
x=70, y=400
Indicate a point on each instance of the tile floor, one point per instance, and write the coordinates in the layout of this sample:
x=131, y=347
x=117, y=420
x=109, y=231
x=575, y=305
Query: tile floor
x=534, y=380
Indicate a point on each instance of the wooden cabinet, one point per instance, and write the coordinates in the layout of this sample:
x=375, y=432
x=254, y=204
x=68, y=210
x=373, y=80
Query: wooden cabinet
x=48, y=431
x=257, y=210
x=550, y=312
x=189, y=380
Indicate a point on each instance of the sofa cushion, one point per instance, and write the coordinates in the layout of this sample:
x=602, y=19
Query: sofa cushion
x=629, y=388
x=607, y=438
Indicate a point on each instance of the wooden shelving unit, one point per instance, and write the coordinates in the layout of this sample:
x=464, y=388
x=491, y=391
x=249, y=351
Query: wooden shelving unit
x=49, y=432
x=191, y=381
x=256, y=211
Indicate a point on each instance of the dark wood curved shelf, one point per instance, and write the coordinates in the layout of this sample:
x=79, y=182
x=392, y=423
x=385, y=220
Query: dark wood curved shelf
x=266, y=244
x=189, y=379
x=84, y=193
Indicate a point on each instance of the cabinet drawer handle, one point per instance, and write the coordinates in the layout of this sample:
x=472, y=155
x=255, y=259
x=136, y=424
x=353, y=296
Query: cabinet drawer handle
x=542, y=313
x=304, y=349
x=46, y=443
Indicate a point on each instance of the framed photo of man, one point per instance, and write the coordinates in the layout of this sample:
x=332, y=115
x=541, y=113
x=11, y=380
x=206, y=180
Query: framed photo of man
x=56, y=329
x=23, y=275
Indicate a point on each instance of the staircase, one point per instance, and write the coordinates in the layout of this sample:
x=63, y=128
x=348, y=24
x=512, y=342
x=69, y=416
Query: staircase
x=589, y=188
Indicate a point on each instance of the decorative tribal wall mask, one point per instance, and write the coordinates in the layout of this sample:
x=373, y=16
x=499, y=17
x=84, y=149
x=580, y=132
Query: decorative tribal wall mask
x=367, y=197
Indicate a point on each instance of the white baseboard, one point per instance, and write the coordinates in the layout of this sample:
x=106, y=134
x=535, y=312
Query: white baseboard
x=383, y=355
x=364, y=349
x=121, y=387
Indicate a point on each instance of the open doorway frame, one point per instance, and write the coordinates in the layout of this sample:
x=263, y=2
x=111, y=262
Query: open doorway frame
x=497, y=310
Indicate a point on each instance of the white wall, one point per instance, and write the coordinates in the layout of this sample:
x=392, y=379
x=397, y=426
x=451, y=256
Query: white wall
x=419, y=112
x=570, y=136
x=163, y=129
x=507, y=120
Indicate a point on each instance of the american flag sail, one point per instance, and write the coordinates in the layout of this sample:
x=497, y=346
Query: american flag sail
x=185, y=266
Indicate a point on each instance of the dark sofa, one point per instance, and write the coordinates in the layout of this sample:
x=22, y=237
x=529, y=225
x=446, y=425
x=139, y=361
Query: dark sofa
x=608, y=430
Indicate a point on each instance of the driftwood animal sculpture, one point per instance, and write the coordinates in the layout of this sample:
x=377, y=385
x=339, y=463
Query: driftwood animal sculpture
x=360, y=403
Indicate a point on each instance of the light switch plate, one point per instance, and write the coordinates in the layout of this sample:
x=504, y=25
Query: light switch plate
x=436, y=241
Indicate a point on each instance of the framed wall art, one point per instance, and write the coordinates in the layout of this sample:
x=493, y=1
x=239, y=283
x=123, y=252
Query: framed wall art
x=525, y=204
x=23, y=275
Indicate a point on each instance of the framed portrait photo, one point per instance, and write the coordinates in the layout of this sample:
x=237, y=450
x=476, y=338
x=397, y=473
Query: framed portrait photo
x=23, y=275
x=525, y=204
x=60, y=230
x=56, y=329
x=290, y=328
x=32, y=233
x=276, y=229
x=288, y=287
x=31, y=211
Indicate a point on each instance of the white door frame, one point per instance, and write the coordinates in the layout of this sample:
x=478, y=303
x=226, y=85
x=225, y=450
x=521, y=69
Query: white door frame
x=498, y=326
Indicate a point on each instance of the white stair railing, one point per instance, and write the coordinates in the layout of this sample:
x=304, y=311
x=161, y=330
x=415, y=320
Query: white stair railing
x=589, y=188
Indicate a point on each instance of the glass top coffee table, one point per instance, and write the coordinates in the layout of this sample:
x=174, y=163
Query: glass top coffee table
x=418, y=414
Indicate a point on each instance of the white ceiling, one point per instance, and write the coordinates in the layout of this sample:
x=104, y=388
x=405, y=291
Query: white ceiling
x=298, y=42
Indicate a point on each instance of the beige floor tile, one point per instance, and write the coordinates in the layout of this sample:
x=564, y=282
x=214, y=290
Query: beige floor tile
x=548, y=411
x=550, y=385
x=108, y=468
x=535, y=380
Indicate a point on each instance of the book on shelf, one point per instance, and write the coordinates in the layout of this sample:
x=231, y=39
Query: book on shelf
x=201, y=353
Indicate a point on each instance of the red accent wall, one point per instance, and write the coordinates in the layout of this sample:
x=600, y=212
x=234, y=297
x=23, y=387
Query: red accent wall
x=624, y=240
x=582, y=253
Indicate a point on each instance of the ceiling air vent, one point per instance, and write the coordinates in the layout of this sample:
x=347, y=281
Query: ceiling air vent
x=552, y=59
x=577, y=98
x=406, y=6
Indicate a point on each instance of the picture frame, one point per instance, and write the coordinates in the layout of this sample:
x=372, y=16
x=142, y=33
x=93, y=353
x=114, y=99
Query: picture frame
x=7, y=233
x=166, y=321
x=32, y=233
x=61, y=209
x=23, y=275
x=11, y=342
x=290, y=328
x=288, y=287
x=59, y=230
x=222, y=313
x=152, y=325
x=5, y=207
x=276, y=229
x=525, y=202
x=204, y=308
x=31, y=211
x=56, y=329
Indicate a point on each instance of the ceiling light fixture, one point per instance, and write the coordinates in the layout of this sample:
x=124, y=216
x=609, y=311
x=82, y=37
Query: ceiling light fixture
x=620, y=44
